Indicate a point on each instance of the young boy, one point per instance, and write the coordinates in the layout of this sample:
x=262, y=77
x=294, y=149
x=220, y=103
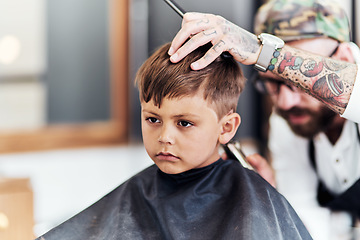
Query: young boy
x=190, y=192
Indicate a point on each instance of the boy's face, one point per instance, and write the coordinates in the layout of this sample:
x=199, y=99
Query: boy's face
x=182, y=134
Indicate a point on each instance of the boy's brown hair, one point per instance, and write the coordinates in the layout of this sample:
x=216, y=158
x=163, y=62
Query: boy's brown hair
x=221, y=82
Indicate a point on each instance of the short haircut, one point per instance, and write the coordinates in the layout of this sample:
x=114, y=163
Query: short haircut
x=221, y=82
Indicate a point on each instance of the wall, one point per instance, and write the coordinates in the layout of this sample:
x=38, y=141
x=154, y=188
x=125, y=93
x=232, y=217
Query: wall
x=77, y=79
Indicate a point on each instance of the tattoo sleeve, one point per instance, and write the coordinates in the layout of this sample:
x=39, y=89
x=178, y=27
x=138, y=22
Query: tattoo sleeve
x=328, y=80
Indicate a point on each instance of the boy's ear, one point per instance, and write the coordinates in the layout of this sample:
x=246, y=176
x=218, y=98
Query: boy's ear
x=229, y=126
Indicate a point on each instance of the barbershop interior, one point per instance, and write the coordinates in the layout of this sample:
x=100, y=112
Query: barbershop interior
x=70, y=114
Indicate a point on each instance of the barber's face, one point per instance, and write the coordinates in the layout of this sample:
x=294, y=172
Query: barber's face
x=305, y=115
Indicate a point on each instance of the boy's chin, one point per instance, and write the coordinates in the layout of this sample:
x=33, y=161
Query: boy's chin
x=178, y=165
x=170, y=168
x=171, y=171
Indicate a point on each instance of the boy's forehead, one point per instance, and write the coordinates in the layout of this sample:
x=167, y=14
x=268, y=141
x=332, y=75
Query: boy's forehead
x=194, y=105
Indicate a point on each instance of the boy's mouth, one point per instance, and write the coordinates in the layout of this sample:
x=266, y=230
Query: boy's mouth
x=166, y=156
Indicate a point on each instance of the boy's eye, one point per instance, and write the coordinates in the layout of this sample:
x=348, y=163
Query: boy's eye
x=152, y=120
x=185, y=124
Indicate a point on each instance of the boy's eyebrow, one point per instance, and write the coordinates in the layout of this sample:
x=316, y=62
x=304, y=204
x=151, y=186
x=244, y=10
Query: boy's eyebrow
x=175, y=116
x=186, y=115
x=144, y=110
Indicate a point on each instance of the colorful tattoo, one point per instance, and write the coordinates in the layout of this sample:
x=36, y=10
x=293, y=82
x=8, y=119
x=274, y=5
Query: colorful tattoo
x=310, y=68
x=334, y=65
x=293, y=62
x=328, y=88
x=274, y=60
x=328, y=80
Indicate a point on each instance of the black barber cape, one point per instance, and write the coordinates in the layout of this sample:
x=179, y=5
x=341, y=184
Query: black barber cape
x=219, y=201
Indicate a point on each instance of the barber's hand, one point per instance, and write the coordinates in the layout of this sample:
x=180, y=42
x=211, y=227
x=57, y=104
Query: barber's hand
x=224, y=35
x=262, y=167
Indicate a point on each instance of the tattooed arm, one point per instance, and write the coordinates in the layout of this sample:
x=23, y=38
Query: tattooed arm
x=328, y=80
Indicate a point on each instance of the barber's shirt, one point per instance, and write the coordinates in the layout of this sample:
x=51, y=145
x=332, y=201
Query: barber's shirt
x=298, y=181
x=338, y=166
x=352, y=111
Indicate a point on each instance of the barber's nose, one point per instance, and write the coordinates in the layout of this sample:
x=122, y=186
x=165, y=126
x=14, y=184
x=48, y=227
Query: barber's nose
x=166, y=135
x=287, y=98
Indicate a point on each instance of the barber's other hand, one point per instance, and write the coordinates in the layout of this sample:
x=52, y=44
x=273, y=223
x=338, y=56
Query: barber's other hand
x=262, y=167
x=224, y=36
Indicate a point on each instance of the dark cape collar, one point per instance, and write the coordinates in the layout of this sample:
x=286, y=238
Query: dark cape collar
x=219, y=201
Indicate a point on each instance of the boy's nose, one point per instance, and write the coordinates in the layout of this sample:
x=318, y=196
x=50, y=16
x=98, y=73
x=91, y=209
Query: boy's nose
x=166, y=135
x=286, y=99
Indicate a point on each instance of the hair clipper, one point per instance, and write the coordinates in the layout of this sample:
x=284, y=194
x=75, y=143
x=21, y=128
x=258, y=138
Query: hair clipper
x=233, y=150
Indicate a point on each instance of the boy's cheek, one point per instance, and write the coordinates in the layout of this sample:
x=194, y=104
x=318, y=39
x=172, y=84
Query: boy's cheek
x=145, y=134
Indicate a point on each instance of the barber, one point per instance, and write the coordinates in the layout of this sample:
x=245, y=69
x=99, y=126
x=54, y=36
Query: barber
x=314, y=150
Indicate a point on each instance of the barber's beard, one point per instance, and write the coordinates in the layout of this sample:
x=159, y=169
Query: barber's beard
x=319, y=121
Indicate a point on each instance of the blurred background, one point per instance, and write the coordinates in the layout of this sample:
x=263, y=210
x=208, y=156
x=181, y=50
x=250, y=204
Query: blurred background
x=69, y=113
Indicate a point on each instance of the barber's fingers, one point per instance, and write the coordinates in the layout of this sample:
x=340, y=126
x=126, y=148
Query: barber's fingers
x=196, y=16
x=262, y=167
x=190, y=16
x=209, y=56
x=206, y=28
x=200, y=39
